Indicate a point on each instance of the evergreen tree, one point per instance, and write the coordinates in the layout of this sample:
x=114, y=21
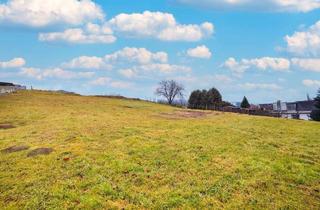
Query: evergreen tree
x=194, y=99
x=315, y=114
x=245, y=103
x=204, y=99
x=214, y=98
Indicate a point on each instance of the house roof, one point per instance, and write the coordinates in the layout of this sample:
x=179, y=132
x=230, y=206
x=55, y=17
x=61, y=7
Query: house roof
x=305, y=105
x=266, y=106
x=6, y=84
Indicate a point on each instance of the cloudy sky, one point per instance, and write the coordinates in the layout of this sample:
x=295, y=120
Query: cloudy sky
x=266, y=50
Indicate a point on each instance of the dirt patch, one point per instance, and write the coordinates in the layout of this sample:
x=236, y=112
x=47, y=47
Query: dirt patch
x=185, y=114
x=6, y=126
x=15, y=149
x=40, y=151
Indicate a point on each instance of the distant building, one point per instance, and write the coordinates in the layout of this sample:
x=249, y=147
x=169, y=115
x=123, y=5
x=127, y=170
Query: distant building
x=294, y=110
x=266, y=107
x=10, y=87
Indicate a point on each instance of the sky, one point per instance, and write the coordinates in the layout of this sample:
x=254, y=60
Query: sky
x=266, y=50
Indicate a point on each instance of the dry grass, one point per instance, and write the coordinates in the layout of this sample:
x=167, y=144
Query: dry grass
x=114, y=153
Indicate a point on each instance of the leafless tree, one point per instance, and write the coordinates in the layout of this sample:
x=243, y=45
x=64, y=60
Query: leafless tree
x=170, y=90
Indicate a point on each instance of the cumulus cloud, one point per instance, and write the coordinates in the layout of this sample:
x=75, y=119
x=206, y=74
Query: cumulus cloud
x=87, y=62
x=107, y=81
x=306, y=42
x=200, y=52
x=311, y=83
x=164, y=68
x=162, y=26
x=130, y=62
x=128, y=73
x=14, y=63
x=91, y=34
x=132, y=55
x=101, y=81
x=264, y=63
x=261, y=86
x=137, y=55
x=307, y=64
x=57, y=73
x=40, y=13
x=254, y=5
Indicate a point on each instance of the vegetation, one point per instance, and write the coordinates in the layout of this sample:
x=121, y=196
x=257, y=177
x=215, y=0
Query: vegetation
x=170, y=90
x=207, y=100
x=245, y=103
x=118, y=153
x=315, y=114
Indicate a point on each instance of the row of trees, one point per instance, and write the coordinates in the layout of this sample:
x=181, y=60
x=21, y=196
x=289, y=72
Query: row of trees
x=199, y=99
x=210, y=99
x=205, y=99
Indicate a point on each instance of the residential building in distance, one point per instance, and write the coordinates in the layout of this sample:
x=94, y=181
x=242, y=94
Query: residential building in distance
x=6, y=87
x=291, y=110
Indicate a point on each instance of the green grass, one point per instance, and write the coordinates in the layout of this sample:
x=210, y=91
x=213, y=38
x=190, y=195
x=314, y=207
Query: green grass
x=127, y=154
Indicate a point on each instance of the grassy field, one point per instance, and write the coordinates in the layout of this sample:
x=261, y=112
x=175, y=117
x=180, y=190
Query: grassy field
x=113, y=153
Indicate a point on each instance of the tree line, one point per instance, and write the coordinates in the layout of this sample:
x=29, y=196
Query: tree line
x=211, y=99
x=206, y=99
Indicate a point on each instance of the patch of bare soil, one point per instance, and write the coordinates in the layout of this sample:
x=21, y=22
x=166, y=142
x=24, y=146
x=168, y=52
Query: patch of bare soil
x=15, y=149
x=40, y=151
x=6, y=126
x=185, y=114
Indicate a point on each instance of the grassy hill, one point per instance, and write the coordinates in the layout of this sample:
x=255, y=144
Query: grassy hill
x=117, y=153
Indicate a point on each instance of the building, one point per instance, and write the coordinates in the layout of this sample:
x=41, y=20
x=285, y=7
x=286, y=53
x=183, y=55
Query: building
x=9, y=87
x=294, y=110
x=266, y=107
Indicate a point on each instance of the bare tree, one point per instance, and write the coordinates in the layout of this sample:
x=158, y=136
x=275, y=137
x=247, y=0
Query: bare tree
x=170, y=90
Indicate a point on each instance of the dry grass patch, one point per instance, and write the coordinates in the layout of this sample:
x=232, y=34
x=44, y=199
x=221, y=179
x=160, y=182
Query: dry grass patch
x=185, y=114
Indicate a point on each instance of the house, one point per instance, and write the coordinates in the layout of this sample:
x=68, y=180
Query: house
x=266, y=107
x=294, y=110
x=9, y=87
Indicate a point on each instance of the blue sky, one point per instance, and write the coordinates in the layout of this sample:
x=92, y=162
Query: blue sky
x=266, y=51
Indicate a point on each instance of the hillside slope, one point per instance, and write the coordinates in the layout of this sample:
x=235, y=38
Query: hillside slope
x=112, y=153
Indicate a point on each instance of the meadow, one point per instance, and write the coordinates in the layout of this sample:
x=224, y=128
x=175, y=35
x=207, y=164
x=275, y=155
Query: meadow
x=108, y=153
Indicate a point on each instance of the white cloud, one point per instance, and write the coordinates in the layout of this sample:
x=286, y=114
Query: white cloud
x=121, y=84
x=307, y=64
x=277, y=64
x=261, y=86
x=254, y=5
x=130, y=62
x=137, y=55
x=125, y=56
x=14, y=63
x=311, y=83
x=200, y=52
x=107, y=81
x=129, y=73
x=91, y=34
x=235, y=66
x=101, y=81
x=164, y=68
x=40, y=13
x=305, y=42
x=159, y=25
x=56, y=73
x=264, y=63
x=87, y=62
